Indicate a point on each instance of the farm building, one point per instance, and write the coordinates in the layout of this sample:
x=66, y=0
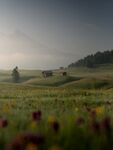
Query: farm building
x=47, y=73
x=64, y=73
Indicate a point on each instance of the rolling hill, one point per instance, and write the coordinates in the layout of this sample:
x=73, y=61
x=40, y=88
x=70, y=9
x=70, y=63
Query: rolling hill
x=79, y=78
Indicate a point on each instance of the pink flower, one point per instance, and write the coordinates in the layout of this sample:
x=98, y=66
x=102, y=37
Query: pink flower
x=55, y=125
x=3, y=123
x=36, y=115
x=80, y=121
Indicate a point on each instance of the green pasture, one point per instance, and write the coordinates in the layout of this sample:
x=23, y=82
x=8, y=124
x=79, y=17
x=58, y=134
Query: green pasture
x=76, y=110
x=59, y=104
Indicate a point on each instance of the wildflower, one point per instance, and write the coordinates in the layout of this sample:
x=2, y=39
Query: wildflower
x=6, y=108
x=100, y=109
x=16, y=144
x=36, y=115
x=80, y=121
x=95, y=126
x=51, y=119
x=105, y=124
x=26, y=142
x=55, y=125
x=31, y=146
x=33, y=124
x=3, y=123
x=34, y=138
x=93, y=114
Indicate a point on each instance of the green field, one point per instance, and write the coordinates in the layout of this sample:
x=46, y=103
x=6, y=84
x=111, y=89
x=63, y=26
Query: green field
x=57, y=113
x=82, y=78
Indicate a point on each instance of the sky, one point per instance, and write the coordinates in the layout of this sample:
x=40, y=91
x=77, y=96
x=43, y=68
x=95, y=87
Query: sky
x=47, y=34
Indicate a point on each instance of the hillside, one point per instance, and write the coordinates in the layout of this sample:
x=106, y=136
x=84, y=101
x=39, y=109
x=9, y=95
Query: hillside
x=78, y=78
x=93, y=60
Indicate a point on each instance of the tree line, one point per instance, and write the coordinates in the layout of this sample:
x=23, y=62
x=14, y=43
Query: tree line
x=94, y=60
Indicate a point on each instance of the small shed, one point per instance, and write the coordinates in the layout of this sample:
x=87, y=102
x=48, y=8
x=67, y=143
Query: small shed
x=47, y=73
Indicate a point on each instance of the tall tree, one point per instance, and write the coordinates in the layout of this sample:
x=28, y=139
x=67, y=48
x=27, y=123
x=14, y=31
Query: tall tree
x=15, y=75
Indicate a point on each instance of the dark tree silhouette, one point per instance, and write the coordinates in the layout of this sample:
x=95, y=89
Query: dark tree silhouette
x=15, y=75
x=94, y=60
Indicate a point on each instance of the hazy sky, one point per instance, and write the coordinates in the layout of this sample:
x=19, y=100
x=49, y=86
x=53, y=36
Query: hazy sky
x=45, y=34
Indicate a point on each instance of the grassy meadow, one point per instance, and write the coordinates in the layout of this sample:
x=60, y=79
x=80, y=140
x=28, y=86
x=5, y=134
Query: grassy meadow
x=58, y=112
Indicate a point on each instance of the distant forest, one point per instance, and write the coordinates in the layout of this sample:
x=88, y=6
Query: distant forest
x=94, y=60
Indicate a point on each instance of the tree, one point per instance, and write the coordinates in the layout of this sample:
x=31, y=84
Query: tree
x=15, y=75
x=94, y=60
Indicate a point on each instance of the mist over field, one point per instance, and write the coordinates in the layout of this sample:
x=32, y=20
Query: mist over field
x=49, y=34
x=56, y=75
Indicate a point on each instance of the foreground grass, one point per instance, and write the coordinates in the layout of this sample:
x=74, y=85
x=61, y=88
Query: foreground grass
x=57, y=113
x=34, y=118
x=55, y=118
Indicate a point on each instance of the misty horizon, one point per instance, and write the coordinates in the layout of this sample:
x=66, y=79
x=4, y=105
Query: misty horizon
x=48, y=34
